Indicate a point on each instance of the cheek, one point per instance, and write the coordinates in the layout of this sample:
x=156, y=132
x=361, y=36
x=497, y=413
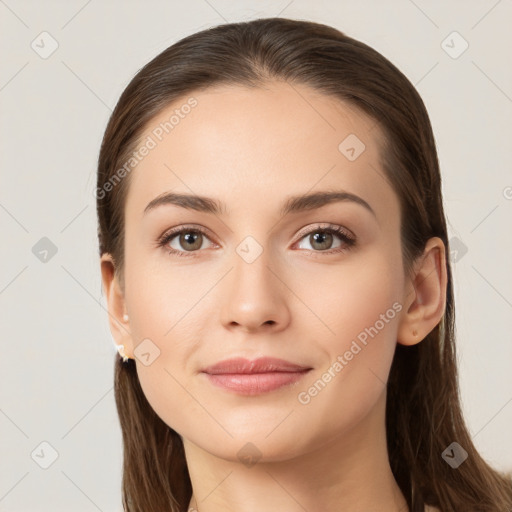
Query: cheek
x=362, y=312
x=166, y=380
x=355, y=299
x=166, y=324
x=162, y=295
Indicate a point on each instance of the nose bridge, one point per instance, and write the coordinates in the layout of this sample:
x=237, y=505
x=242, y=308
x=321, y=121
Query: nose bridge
x=254, y=295
x=251, y=263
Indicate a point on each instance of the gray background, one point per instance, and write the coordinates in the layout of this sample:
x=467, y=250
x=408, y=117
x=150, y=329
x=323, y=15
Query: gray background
x=57, y=352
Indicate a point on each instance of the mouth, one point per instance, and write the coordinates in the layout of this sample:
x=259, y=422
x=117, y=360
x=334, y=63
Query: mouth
x=254, y=377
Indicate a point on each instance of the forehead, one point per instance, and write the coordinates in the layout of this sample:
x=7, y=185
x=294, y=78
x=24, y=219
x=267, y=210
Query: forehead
x=253, y=146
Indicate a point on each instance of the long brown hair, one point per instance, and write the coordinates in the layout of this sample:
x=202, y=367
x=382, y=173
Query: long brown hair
x=423, y=411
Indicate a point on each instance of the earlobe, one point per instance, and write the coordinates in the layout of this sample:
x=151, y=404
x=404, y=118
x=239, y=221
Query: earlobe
x=425, y=300
x=118, y=319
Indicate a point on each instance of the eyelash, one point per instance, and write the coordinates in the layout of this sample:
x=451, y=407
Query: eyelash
x=348, y=240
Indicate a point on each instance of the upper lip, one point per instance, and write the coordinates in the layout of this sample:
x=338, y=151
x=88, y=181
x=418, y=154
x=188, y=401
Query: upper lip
x=261, y=365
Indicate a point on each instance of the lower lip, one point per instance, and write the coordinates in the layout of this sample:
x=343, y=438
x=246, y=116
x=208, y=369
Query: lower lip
x=255, y=383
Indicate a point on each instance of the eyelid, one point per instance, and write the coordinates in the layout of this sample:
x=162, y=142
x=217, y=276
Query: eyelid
x=327, y=226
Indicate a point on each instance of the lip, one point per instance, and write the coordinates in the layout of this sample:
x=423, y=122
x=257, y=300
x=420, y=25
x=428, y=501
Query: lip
x=254, y=377
x=240, y=365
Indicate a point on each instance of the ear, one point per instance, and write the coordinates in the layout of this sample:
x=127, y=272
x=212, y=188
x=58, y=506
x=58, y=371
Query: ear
x=115, y=305
x=424, y=294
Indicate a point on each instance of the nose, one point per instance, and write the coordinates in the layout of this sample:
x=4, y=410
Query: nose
x=255, y=295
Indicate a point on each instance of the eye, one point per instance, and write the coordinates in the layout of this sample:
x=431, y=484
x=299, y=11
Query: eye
x=186, y=238
x=321, y=239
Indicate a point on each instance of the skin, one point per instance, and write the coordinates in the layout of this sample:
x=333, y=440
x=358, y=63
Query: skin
x=251, y=149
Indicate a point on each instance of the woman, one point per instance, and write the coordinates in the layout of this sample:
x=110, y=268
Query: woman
x=274, y=255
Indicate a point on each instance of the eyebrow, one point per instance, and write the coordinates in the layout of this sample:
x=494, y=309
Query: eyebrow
x=292, y=204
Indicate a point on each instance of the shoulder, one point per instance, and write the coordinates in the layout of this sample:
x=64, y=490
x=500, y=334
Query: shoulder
x=428, y=508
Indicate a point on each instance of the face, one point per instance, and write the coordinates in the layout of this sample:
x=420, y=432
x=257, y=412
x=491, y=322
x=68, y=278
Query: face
x=265, y=275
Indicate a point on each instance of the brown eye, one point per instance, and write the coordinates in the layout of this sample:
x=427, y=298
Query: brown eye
x=321, y=240
x=191, y=240
x=328, y=239
x=182, y=241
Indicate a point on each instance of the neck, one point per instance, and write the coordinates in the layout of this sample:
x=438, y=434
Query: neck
x=349, y=472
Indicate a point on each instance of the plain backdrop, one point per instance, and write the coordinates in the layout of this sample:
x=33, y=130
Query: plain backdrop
x=57, y=406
